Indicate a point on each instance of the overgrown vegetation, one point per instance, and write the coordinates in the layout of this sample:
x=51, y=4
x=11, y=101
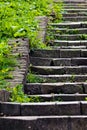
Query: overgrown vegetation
x=17, y=95
x=6, y=64
x=33, y=78
x=18, y=19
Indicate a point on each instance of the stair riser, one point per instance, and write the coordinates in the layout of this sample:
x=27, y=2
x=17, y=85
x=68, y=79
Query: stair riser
x=75, y=19
x=57, y=89
x=44, y=109
x=57, y=62
x=60, y=71
x=65, y=78
x=75, y=10
x=51, y=109
x=75, y=6
x=74, y=14
x=62, y=53
x=70, y=25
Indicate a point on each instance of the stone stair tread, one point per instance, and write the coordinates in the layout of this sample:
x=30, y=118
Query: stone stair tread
x=44, y=122
x=57, y=58
x=42, y=117
x=66, y=31
x=43, y=61
x=80, y=10
x=60, y=87
x=69, y=47
x=59, y=69
x=62, y=29
x=71, y=41
x=70, y=24
x=69, y=6
x=61, y=97
x=56, y=84
x=57, y=42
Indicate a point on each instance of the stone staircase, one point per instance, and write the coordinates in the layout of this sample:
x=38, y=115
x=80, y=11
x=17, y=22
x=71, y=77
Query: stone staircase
x=63, y=70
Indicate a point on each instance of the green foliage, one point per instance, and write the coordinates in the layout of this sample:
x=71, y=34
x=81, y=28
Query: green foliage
x=6, y=64
x=18, y=18
x=32, y=78
x=17, y=95
x=83, y=37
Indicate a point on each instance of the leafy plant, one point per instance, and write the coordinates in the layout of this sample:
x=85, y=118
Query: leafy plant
x=18, y=18
x=32, y=78
x=17, y=95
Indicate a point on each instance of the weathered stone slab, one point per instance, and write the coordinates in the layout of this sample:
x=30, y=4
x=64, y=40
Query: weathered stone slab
x=4, y=95
x=74, y=43
x=44, y=123
x=78, y=123
x=79, y=61
x=10, y=109
x=60, y=42
x=17, y=123
x=62, y=62
x=68, y=53
x=52, y=123
x=40, y=61
x=45, y=53
x=32, y=88
x=46, y=109
x=70, y=78
x=67, y=24
x=84, y=53
x=85, y=86
x=48, y=70
x=48, y=88
x=75, y=18
x=84, y=107
x=76, y=70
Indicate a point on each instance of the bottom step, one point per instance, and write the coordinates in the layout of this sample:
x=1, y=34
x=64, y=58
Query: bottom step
x=44, y=123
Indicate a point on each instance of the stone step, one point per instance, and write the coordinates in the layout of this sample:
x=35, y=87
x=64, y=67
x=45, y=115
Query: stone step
x=75, y=18
x=42, y=108
x=68, y=43
x=60, y=97
x=57, y=88
x=50, y=108
x=75, y=6
x=59, y=53
x=69, y=47
x=38, y=61
x=49, y=70
x=75, y=10
x=72, y=37
x=74, y=14
x=69, y=31
x=64, y=78
x=44, y=123
x=69, y=25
